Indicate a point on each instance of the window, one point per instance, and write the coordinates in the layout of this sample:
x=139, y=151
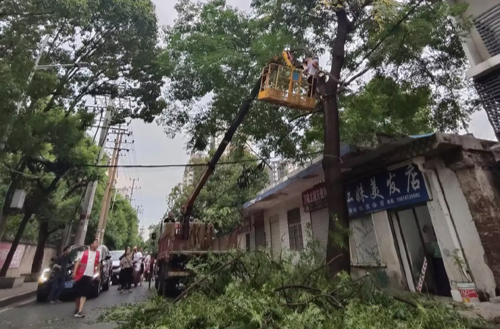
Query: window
x=295, y=229
x=365, y=241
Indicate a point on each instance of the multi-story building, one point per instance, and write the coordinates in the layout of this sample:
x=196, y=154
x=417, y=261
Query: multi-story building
x=482, y=47
x=188, y=178
x=279, y=169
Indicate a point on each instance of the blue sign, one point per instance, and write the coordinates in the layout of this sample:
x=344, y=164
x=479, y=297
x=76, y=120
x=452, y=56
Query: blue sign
x=385, y=190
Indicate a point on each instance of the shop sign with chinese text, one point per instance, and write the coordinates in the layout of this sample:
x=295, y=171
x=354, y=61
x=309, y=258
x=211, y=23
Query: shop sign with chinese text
x=385, y=190
x=314, y=198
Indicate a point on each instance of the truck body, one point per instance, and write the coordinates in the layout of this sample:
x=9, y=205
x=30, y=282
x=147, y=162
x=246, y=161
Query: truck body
x=174, y=252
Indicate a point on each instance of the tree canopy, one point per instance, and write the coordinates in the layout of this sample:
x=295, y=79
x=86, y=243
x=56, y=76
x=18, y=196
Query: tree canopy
x=414, y=80
x=221, y=200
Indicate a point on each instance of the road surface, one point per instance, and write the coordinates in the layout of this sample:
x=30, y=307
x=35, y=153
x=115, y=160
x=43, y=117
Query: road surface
x=59, y=316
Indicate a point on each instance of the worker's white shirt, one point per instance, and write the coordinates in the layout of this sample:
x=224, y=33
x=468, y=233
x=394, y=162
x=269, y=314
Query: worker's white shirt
x=89, y=270
x=311, y=70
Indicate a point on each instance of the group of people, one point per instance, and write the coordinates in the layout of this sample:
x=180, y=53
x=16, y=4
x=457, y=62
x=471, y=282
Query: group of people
x=133, y=264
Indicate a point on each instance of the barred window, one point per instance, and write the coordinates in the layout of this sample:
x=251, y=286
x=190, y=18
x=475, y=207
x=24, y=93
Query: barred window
x=295, y=230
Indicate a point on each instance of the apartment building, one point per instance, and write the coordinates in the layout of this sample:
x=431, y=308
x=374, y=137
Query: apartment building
x=483, y=51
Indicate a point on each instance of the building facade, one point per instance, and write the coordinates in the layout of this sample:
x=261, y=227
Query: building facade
x=425, y=204
x=188, y=177
x=482, y=47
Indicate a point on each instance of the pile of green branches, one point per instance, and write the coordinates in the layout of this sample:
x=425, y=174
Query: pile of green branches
x=255, y=290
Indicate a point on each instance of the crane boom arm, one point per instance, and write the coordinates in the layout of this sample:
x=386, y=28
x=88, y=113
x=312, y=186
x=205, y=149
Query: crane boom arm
x=188, y=206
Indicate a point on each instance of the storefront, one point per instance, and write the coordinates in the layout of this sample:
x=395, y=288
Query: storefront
x=403, y=193
x=424, y=214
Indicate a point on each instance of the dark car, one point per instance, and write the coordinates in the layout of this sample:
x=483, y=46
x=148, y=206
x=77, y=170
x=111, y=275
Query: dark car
x=102, y=281
x=115, y=259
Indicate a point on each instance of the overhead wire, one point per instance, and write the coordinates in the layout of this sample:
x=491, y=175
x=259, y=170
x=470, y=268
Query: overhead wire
x=385, y=37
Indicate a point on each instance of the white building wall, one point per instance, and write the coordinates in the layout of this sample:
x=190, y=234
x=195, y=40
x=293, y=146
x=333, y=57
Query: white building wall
x=281, y=210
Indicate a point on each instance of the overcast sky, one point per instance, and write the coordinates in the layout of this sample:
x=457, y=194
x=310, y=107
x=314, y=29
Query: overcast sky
x=152, y=146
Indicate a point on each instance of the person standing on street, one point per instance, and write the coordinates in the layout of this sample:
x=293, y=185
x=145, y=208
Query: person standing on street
x=59, y=270
x=86, y=270
x=126, y=266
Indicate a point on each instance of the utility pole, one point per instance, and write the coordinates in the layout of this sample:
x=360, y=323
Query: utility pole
x=109, y=185
x=88, y=202
x=132, y=190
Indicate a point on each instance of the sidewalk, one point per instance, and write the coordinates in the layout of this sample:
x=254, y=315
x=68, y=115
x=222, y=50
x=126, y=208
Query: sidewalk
x=11, y=296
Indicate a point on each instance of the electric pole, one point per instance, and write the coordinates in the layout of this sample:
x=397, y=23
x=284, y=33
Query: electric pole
x=132, y=190
x=88, y=202
x=109, y=185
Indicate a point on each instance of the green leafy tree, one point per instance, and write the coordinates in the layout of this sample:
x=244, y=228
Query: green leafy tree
x=221, y=200
x=54, y=160
x=117, y=38
x=397, y=67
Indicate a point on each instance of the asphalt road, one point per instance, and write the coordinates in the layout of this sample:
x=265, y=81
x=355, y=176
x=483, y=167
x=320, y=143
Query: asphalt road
x=58, y=316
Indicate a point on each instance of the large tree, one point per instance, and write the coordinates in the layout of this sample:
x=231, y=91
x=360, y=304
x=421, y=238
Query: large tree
x=118, y=41
x=396, y=67
x=60, y=148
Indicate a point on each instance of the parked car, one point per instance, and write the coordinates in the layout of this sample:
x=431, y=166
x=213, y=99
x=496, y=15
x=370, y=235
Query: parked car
x=102, y=282
x=115, y=258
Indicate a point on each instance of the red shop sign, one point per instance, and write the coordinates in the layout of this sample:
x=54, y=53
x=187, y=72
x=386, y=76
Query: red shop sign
x=314, y=198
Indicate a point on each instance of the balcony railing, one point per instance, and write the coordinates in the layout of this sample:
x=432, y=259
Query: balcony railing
x=488, y=26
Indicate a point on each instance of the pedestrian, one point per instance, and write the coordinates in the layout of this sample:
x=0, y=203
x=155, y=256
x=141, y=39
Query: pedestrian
x=140, y=267
x=311, y=69
x=126, y=266
x=59, y=270
x=147, y=267
x=87, y=269
x=137, y=260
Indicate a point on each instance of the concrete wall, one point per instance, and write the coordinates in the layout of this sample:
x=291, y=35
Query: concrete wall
x=480, y=188
x=466, y=227
x=27, y=260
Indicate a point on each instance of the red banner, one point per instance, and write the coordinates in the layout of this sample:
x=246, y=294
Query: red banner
x=18, y=255
x=314, y=198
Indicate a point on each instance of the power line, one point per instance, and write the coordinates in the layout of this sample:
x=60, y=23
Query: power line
x=165, y=165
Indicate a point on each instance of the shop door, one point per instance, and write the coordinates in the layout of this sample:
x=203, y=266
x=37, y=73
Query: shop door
x=275, y=236
x=418, y=244
x=319, y=222
x=260, y=233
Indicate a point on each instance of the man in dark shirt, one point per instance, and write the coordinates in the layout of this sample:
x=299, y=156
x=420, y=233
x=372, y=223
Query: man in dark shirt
x=59, y=270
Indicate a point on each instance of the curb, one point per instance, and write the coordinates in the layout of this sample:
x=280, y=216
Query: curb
x=17, y=298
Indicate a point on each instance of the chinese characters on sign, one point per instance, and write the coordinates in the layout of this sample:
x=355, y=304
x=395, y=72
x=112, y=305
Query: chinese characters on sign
x=386, y=189
x=18, y=255
x=314, y=198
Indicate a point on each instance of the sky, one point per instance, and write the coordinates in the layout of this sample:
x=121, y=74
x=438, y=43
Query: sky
x=152, y=146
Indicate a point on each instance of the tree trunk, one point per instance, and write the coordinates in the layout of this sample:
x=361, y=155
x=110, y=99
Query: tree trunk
x=338, y=239
x=4, y=214
x=15, y=243
x=43, y=236
x=29, y=210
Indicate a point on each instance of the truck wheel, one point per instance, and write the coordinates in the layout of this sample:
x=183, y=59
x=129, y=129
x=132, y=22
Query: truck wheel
x=171, y=287
x=161, y=280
